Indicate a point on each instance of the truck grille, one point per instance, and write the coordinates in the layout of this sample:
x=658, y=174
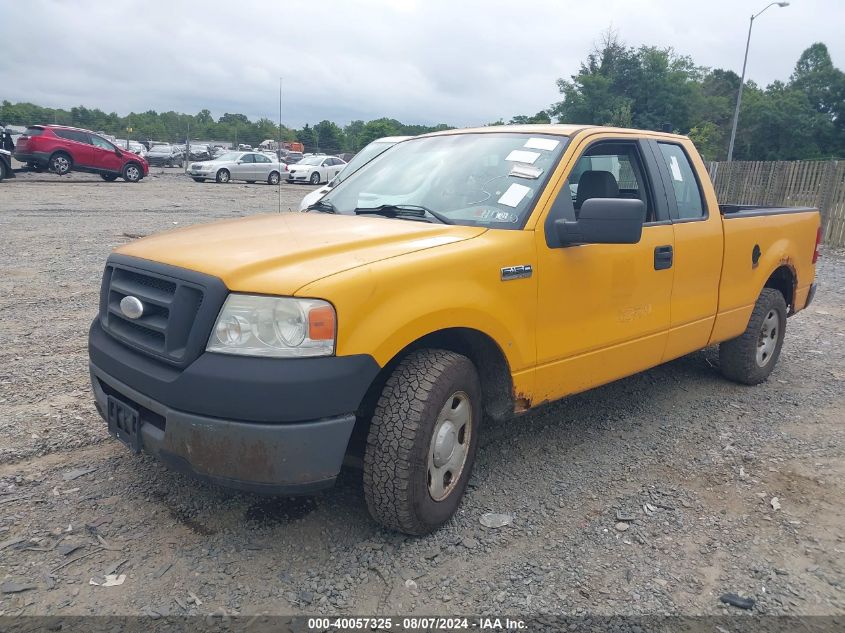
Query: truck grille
x=177, y=313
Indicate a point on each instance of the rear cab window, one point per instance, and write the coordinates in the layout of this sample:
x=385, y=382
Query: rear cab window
x=688, y=196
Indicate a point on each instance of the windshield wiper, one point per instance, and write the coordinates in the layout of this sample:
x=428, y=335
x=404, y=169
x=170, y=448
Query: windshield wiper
x=403, y=210
x=323, y=206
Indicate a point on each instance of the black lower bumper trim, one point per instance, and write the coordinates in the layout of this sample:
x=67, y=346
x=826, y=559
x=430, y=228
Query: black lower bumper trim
x=258, y=457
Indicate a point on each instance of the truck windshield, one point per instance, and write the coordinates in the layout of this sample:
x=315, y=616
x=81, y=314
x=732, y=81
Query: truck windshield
x=481, y=179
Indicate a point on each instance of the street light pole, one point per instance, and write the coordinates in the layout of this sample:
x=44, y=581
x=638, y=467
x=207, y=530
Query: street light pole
x=742, y=79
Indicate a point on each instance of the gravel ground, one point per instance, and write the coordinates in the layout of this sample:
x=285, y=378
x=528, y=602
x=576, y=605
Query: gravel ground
x=652, y=495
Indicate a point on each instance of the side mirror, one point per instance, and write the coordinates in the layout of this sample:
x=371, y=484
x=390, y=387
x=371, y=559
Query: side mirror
x=117, y=152
x=604, y=221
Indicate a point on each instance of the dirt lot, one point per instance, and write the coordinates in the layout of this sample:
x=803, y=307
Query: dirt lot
x=706, y=455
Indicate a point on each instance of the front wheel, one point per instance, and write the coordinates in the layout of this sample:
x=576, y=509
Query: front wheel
x=273, y=178
x=223, y=176
x=132, y=173
x=751, y=357
x=422, y=441
x=315, y=178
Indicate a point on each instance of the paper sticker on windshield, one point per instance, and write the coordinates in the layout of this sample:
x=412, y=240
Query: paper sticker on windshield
x=521, y=170
x=514, y=195
x=546, y=144
x=675, y=169
x=521, y=156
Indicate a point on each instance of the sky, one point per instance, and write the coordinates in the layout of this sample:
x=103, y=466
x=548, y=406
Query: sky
x=461, y=62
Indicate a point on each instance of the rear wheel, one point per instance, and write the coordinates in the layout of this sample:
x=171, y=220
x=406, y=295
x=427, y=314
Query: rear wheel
x=273, y=178
x=109, y=177
x=751, y=357
x=60, y=163
x=132, y=173
x=422, y=441
x=223, y=176
x=315, y=178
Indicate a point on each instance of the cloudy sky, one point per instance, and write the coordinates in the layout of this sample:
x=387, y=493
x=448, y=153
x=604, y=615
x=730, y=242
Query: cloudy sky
x=461, y=62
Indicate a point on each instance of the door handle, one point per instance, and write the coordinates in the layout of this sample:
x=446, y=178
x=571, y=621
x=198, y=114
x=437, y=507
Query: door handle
x=663, y=257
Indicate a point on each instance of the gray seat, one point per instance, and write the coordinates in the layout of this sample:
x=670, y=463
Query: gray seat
x=596, y=184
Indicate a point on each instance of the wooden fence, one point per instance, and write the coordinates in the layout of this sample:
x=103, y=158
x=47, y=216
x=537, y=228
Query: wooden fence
x=807, y=183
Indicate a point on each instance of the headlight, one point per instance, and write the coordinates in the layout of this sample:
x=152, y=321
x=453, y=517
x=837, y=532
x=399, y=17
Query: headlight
x=282, y=327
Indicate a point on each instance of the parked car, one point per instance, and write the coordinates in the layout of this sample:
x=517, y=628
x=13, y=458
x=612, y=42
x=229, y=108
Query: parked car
x=63, y=149
x=199, y=152
x=6, y=164
x=291, y=158
x=367, y=154
x=452, y=279
x=166, y=156
x=315, y=169
x=248, y=166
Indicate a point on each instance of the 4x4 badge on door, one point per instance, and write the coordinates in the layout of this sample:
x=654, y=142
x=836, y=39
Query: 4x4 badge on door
x=516, y=272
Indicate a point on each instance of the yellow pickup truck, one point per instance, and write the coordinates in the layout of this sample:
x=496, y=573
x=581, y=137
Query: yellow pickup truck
x=459, y=276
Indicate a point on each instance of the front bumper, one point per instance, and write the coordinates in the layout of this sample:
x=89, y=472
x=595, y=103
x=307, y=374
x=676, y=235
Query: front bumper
x=274, y=426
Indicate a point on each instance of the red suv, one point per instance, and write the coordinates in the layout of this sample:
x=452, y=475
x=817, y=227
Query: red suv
x=63, y=149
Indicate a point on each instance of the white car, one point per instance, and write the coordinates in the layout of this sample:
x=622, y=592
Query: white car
x=315, y=169
x=363, y=157
x=248, y=166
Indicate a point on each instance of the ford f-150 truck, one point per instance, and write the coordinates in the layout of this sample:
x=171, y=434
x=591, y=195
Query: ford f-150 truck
x=462, y=276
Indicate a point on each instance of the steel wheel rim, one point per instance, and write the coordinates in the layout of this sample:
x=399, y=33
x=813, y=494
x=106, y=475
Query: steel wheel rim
x=449, y=446
x=768, y=339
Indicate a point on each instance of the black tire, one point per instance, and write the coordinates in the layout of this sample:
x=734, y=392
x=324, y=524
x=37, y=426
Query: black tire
x=60, y=163
x=399, y=443
x=751, y=357
x=223, y=176
x=199, y=179
x=109, y=177
x=132, y=172
x=315, y=178
x=274, y=178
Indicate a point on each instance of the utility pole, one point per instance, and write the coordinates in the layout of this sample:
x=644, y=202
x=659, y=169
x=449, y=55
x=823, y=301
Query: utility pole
x=742, y=79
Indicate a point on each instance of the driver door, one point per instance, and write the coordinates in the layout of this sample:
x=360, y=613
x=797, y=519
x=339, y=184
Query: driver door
x=104, y=156
x=244, y=168
x=603, y=309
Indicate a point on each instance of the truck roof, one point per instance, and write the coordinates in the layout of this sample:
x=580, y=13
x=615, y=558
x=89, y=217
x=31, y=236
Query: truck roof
x=559, y=129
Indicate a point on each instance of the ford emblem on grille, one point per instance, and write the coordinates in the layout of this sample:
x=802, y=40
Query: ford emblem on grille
x=131, y=307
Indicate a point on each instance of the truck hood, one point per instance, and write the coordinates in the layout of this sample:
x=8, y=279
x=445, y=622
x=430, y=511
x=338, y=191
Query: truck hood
x=278, y=254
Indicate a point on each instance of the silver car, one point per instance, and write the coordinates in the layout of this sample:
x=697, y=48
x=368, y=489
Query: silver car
x=248, y=166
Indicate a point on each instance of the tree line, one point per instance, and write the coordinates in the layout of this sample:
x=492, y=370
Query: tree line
x=643, y=87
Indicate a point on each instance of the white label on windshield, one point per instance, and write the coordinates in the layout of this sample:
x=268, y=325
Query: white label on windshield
x=546, y=144
x=521, y=156
x=514, y=195
x=676, y=169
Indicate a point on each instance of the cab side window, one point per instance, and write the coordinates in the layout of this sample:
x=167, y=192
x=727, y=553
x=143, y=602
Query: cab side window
x=610, y=170
x=260, y=158
x=684, y=183
x=96, y=141
x=248, y=158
